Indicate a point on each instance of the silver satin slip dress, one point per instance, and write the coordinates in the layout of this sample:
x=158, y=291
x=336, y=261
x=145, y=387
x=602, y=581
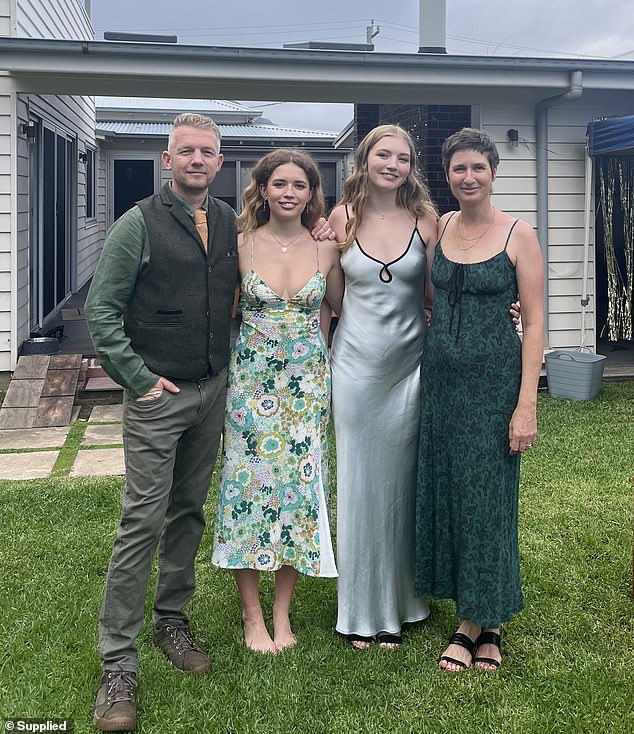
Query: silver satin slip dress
x=375, y=360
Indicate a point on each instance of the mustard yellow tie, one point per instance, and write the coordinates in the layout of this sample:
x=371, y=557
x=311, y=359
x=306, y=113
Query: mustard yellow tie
x=200, y=220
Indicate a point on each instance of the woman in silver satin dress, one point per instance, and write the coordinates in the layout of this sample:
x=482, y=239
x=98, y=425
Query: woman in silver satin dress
x=385, y=222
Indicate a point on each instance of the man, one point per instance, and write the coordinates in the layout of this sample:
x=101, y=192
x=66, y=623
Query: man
x=159, y=312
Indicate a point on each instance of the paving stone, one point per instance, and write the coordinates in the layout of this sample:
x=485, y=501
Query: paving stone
x=101, y=383
x=98, y=462
x=23, y=393
x=65, y=362
x=31, y=366
x=60, y=382
x=33, y=438
x=33, y=465
x=54, y=412
x=17, y=417
x=107, y=414
x=101, y=435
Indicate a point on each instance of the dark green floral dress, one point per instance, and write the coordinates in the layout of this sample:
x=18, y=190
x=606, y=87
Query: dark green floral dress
x=467, y=498
x=273, y=493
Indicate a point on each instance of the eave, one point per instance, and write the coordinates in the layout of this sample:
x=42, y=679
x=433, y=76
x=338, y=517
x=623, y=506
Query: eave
x=165, y=70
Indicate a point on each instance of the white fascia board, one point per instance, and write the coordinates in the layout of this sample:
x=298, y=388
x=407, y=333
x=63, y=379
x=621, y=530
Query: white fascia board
x=165, y=70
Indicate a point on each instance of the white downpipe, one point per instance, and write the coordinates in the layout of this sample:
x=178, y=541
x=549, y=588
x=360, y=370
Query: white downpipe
x=575, y=91
x=585, y=298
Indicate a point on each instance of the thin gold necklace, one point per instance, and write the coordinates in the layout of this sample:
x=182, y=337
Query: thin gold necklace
x=283, y=246
x=382, y=215
x=476, y=239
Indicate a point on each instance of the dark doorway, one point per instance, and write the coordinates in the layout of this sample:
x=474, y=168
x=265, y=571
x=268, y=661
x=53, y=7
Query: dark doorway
x=51, y=264
x=133, y=180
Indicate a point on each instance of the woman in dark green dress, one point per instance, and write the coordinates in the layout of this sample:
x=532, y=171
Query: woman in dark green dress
x=478, y=406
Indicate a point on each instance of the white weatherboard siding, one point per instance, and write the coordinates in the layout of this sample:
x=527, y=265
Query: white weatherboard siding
x=22, y=325
x=515, y=191
x=7, y=219
x=72, y=116
x=53, y=19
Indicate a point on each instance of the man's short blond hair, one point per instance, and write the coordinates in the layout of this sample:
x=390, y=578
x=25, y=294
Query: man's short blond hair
x=193, y=119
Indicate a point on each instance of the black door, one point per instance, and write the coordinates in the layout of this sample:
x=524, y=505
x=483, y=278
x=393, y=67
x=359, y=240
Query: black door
x=133, y=180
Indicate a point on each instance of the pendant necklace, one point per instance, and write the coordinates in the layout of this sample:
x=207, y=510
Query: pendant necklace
x=284, y=247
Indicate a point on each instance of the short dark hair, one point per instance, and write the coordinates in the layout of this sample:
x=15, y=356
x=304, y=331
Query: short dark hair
x=469, y=138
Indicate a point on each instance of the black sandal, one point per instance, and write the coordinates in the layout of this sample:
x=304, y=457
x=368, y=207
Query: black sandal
x=458, y=638
x=488, y=637
x=385, y=638
x=359, y=638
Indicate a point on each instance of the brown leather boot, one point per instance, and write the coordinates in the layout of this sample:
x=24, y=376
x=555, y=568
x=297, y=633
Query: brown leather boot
x=182, y=650
x=115, y=708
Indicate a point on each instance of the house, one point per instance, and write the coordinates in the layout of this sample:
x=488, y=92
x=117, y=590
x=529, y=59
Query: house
x=51, y=228
x=132, y=132
x=70, y=164
x=536, y=109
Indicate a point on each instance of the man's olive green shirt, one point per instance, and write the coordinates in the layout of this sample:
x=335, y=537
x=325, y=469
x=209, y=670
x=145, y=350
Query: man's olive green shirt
x=126, y=253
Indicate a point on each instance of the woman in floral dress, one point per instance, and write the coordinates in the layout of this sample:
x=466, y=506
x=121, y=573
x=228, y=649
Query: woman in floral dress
x=273, y=496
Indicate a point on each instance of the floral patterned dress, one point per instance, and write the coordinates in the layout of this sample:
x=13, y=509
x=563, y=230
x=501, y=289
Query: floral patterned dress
x=273, y=496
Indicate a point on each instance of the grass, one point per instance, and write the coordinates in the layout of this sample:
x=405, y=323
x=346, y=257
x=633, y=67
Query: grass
x=569, y=655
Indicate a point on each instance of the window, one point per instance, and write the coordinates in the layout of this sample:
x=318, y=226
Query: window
x=90, y=183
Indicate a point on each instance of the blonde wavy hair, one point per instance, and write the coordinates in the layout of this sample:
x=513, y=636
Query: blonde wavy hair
x=413, y=194
x=255, y=213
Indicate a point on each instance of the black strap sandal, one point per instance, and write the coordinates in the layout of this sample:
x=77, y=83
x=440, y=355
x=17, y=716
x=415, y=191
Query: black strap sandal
x=385, y=638
x=488, y=637
x=463, y=641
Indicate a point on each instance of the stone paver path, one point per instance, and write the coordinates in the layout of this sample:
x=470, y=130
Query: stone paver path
x=32, y=465
x=98, y=462
x=103, y=429
x=102, y=435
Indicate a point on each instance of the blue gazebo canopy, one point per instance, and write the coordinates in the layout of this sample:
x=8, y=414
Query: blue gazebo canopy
x=611, y=135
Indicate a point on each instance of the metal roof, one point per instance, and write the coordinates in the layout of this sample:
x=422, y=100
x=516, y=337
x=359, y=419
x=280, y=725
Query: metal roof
x=186, y=105
x=257, y=132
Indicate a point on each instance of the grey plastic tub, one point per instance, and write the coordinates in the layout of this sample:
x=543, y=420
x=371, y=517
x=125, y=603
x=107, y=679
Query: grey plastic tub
x=40, y=345
x=573, y=374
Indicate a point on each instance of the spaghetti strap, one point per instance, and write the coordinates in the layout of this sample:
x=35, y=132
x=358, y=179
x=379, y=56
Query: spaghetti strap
x=422, y=239
x=445, y=227
x=317, y=250
x=252, y=243
x=345, y=208
x=510, y=233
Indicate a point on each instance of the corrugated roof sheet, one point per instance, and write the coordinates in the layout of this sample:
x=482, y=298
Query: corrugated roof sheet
x=158, y=103
x=162, y=129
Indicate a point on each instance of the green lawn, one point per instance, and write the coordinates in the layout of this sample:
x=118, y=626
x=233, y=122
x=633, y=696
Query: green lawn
x=569, y=656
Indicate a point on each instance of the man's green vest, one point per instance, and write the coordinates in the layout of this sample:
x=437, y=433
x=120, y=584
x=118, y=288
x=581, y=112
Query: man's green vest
x=179, y=316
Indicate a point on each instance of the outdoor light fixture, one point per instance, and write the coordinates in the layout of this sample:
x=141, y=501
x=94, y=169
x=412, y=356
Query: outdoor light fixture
x=30, y=130
x=513, y=135
x=83, y=157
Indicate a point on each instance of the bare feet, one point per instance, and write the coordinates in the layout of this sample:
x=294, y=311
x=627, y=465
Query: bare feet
x=282, y=633
x=458, y=655
x=256, y=636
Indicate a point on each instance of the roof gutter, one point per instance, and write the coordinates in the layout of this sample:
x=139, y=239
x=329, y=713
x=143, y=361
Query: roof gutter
x=541, y=124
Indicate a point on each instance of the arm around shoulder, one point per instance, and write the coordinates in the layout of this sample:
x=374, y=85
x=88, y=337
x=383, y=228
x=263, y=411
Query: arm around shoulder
x=330, y=258
x=337, y=220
